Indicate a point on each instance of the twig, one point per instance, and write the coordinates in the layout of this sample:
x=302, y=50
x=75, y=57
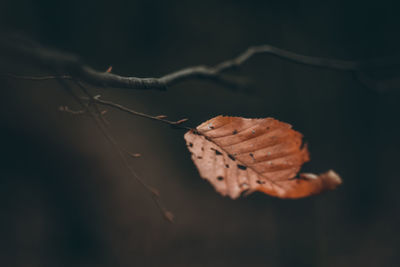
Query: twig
x=59, y=58
x=68, y=110
x=100, y=114
x=73, y=66
x=175, y=124
x=36, y=78
x=120, y=152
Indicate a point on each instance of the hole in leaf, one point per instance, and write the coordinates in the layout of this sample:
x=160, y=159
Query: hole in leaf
x=220, y=178
x=242, y=167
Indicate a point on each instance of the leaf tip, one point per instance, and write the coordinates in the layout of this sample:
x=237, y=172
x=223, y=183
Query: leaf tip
x=332, y=178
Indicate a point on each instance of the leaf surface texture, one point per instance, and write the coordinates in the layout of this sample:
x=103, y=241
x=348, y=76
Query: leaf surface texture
x=238, y=155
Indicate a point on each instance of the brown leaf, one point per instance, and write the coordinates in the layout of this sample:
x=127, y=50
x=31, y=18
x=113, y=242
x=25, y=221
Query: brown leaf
x=239, y=155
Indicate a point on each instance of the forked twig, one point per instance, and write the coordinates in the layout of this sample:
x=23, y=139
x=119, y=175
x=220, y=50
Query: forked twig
x=96, y=116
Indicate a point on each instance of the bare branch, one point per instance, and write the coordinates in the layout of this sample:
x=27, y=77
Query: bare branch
x=73, y=67
x=296, y=58
x=96, y=116
x=175, y=124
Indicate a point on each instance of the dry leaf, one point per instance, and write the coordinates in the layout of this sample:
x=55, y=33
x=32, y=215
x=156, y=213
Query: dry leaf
x=239, y=155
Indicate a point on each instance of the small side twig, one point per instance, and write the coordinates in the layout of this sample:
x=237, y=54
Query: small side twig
x=176, y=124
x=73, y=112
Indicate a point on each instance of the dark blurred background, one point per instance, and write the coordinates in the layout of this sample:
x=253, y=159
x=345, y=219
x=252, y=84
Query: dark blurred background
x=66, y=199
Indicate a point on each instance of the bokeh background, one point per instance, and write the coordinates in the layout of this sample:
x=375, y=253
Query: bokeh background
x=66, y=200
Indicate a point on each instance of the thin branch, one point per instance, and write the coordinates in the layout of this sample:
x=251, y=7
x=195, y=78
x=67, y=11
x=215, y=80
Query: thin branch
x=175, y=124
x=96, y=116
x=334, y=64
x=36, y=78
x=73, y=66
x=73, y=112
x=98, y=111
